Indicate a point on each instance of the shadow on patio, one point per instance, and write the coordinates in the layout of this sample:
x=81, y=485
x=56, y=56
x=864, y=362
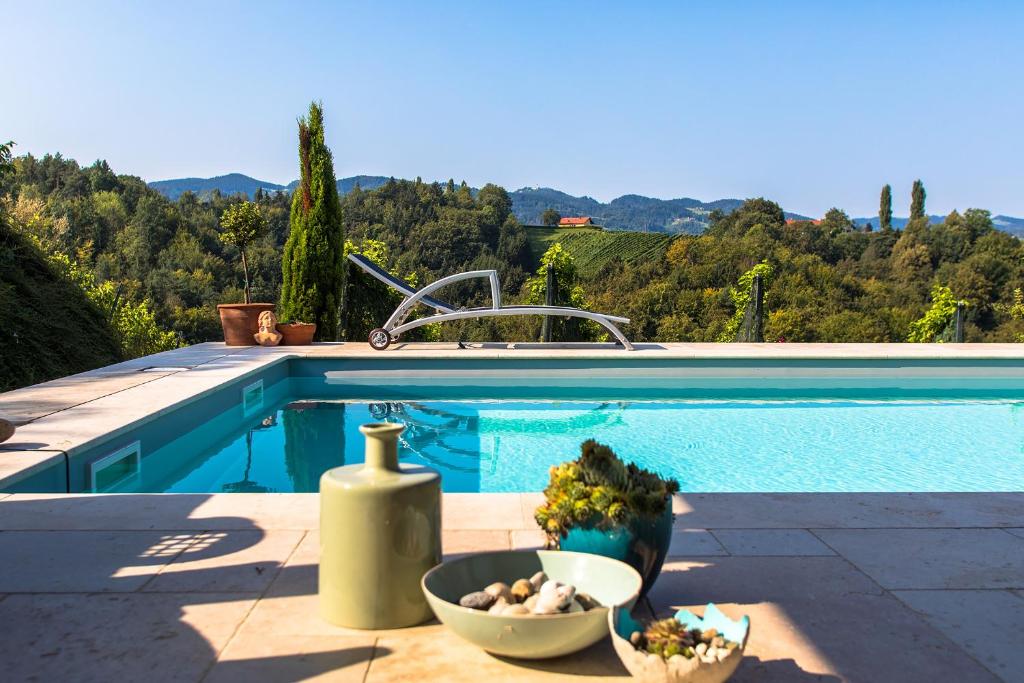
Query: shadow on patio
x=137, y=587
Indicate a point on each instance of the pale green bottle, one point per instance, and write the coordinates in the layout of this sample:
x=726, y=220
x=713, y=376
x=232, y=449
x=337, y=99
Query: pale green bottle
x=380, y=531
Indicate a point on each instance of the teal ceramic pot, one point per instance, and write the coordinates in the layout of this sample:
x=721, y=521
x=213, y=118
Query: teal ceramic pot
x=642, y=545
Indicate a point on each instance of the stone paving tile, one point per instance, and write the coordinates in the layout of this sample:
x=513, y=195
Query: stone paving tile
x=290, y=606
x=932, y=558
x=436, y=650
x=815, y=618
x=227, y=562
x=1016, y=532
x=530, y=502
x=15, y=465
x=784, y=542
x=694, y=543
x=31, y=403
x=99, y=419
x=265, y=511
x=847, y=510
x=157, y=511
x=469, y=511
x=253, y=657
x=462, y=541
x=116, y=637
x=988, y=624
x=85, y=561
x=528, y=539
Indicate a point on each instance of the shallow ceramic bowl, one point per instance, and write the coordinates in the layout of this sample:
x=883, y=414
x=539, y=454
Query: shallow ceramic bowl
x=611, y=582
x=649, y=668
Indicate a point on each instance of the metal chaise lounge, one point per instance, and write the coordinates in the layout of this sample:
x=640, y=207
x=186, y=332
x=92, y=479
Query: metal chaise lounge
x=382, y=337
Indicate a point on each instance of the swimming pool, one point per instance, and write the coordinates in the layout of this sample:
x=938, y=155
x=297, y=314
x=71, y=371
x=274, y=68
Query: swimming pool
x=498, y=425
x=708, y=444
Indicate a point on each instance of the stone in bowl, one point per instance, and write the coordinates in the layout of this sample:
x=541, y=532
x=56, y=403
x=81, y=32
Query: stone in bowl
x=610, y=582
x=651, y=668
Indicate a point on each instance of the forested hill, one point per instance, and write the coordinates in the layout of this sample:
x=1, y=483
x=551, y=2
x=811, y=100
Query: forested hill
x=628, y=212
x=232, y=183
x=830, y=281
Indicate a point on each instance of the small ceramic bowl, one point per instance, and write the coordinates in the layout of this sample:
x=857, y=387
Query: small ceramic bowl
x=649, y=668
x=610, y=582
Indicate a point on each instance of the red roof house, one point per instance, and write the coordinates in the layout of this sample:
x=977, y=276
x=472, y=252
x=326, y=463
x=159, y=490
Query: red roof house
x=575, y=221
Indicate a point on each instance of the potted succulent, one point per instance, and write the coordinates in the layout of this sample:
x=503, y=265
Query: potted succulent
x=241, y=224
x=599, y=504
x=296, y=333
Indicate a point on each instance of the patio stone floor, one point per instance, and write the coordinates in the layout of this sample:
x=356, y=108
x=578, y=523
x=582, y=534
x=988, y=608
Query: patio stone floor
x=839, y=587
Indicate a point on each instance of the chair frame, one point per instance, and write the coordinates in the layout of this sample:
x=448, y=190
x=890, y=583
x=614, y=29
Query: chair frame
x=395, y=325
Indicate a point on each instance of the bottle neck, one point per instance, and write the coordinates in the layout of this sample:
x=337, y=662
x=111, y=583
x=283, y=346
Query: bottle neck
x=381, y=445
x=382, y=455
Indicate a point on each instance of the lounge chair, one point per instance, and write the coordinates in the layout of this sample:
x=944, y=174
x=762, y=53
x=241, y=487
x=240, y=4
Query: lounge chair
x=382, y=337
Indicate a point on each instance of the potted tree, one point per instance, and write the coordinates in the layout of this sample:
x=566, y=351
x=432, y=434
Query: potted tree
x=241, y=224
x=601, y=505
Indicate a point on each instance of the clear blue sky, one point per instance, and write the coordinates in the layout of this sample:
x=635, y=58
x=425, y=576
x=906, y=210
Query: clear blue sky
x=812, y=104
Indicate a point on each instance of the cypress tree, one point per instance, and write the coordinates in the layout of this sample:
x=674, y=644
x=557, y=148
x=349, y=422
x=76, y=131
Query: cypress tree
x=917, y=200
x=313, y=265
x=885, y=209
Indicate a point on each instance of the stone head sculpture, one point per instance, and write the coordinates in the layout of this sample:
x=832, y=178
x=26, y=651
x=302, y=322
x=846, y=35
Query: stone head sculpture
x=268, y=334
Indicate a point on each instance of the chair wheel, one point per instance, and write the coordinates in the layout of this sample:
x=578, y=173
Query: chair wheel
x=380, y=339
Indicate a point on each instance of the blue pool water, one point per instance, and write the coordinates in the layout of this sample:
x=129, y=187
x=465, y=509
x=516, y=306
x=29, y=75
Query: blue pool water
x=821, y=445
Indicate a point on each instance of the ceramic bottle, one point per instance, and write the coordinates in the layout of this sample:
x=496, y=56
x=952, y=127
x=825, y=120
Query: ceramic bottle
x=380, y=531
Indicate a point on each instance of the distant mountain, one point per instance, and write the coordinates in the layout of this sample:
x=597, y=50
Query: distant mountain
x=229, y=184
x=628, y=212
x=897, y=222
x=346, y=185
x=1014, y=226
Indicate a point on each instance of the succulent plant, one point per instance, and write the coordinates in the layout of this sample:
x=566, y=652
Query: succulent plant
x=669, y=637
x=600, y=490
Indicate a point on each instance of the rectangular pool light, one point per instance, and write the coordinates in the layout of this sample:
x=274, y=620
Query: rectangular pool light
x=252, y=397
x=116, y=468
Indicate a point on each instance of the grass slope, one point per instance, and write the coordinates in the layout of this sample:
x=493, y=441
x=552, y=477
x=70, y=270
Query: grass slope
x=49, y=328
x=592, y=249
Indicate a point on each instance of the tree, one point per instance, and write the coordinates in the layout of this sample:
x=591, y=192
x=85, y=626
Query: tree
x=936, y=318
x=740, y=296
x=836, y=221
x=885, y=209
x=313, y=266
x=241, y=225
x=6, y=165
x=568, y=292
x=550, y=218
x=496, y=197
x=917, y=196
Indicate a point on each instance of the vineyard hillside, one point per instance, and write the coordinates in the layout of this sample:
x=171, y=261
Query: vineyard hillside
x=592, y=249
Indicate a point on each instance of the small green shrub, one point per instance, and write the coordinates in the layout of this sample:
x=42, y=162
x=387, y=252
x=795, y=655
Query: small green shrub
x=598, y=489
x=740, y=295
x=926, y=329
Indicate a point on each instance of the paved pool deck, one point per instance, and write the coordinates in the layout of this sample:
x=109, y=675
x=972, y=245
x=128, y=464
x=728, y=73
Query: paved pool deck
x=222, y=587
x=839, y=587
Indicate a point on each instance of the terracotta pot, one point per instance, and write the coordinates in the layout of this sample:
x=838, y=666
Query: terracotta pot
x=241, y=322
x=296, y=334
